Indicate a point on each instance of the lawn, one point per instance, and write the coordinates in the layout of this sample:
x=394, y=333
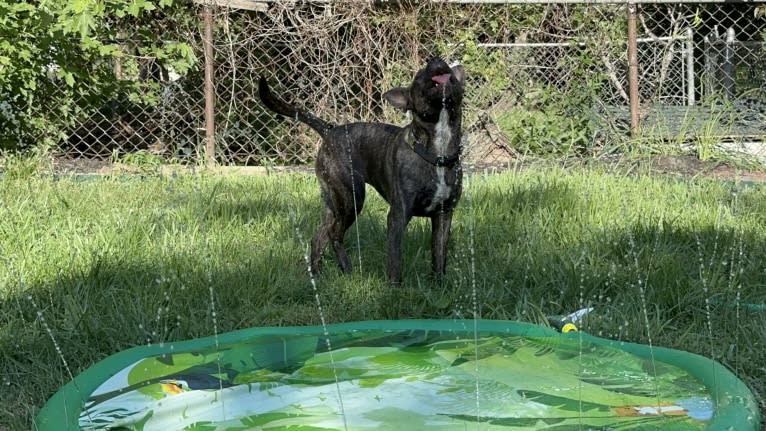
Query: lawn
x=91, y=267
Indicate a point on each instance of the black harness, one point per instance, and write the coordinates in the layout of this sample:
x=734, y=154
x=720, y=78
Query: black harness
x=438, y=161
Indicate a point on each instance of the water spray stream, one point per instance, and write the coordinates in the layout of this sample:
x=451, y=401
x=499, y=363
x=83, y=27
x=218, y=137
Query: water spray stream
x=734, y=278
x=474, y=301
x=214, y=318
x=325, y=332
x=353, y=194
x=56, y=346
x=704, y=282
x=642, y=283
x=581, y=306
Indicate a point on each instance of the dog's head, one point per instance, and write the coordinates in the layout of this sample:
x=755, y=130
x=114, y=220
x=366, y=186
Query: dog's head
x=435, y=87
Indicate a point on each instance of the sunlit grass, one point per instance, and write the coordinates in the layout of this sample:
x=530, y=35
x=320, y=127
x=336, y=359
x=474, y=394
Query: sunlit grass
x=115, y=263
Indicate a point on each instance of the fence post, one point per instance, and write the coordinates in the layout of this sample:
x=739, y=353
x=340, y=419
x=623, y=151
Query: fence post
x=633, y=69
x=708, y=77
x=209, y=89
x=690, y=66
x=728, y=64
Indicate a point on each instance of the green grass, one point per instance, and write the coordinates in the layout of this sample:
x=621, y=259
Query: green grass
x=109, y=264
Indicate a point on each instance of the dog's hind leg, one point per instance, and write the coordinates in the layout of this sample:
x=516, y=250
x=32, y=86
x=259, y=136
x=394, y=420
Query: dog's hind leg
x=320, y=240
x=349, y=199
x=342, y=204
x=324, y=234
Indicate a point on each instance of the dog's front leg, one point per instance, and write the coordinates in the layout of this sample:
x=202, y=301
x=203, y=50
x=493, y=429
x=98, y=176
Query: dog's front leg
x=440, y=228
x=397, y=223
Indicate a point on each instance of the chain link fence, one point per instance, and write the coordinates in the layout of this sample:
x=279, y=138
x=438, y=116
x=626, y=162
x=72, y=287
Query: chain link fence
x=543, y=78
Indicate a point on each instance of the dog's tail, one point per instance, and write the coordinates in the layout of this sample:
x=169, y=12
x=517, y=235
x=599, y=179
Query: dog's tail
x=283, y=108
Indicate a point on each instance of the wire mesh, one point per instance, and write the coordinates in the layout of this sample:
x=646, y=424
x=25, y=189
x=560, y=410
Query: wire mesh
x=547, y=78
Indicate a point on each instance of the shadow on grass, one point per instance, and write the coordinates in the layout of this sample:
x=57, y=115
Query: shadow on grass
x=528, y=249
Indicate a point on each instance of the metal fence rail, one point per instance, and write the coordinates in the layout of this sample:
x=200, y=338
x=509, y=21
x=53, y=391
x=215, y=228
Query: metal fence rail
x=543, y=77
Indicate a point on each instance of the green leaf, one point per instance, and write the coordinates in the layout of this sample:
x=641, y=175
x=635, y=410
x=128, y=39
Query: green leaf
x=67, y=76
x=24, y=54
x=138, y=6
x=84, y=24
x=108, y=50
x=79, y=6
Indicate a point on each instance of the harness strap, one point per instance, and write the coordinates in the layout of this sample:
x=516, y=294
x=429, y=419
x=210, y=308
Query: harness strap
x=438, y=161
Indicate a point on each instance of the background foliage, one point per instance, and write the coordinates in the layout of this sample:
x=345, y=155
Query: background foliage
x=102, y=79
x=70, y=49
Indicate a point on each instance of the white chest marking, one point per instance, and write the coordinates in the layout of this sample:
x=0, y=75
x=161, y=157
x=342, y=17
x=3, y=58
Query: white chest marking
x=442, y=138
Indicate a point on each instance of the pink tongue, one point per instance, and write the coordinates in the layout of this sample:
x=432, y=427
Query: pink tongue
x=442, y=79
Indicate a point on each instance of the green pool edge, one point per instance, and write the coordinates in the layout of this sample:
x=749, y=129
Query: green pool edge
x=736, y=408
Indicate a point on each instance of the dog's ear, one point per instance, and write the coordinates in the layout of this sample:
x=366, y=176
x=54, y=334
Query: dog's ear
x=459, y=73
x=399, y=98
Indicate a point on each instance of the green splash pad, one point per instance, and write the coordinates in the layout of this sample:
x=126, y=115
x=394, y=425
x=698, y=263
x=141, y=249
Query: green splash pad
x=402, y=375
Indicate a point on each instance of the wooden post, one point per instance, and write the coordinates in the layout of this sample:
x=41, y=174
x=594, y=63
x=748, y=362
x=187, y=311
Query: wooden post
x=209, y=89
x=690, y=97
x=728, y=65
x=635, y=103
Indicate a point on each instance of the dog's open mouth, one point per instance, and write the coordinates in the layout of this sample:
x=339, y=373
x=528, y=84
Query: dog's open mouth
x=442, y=79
